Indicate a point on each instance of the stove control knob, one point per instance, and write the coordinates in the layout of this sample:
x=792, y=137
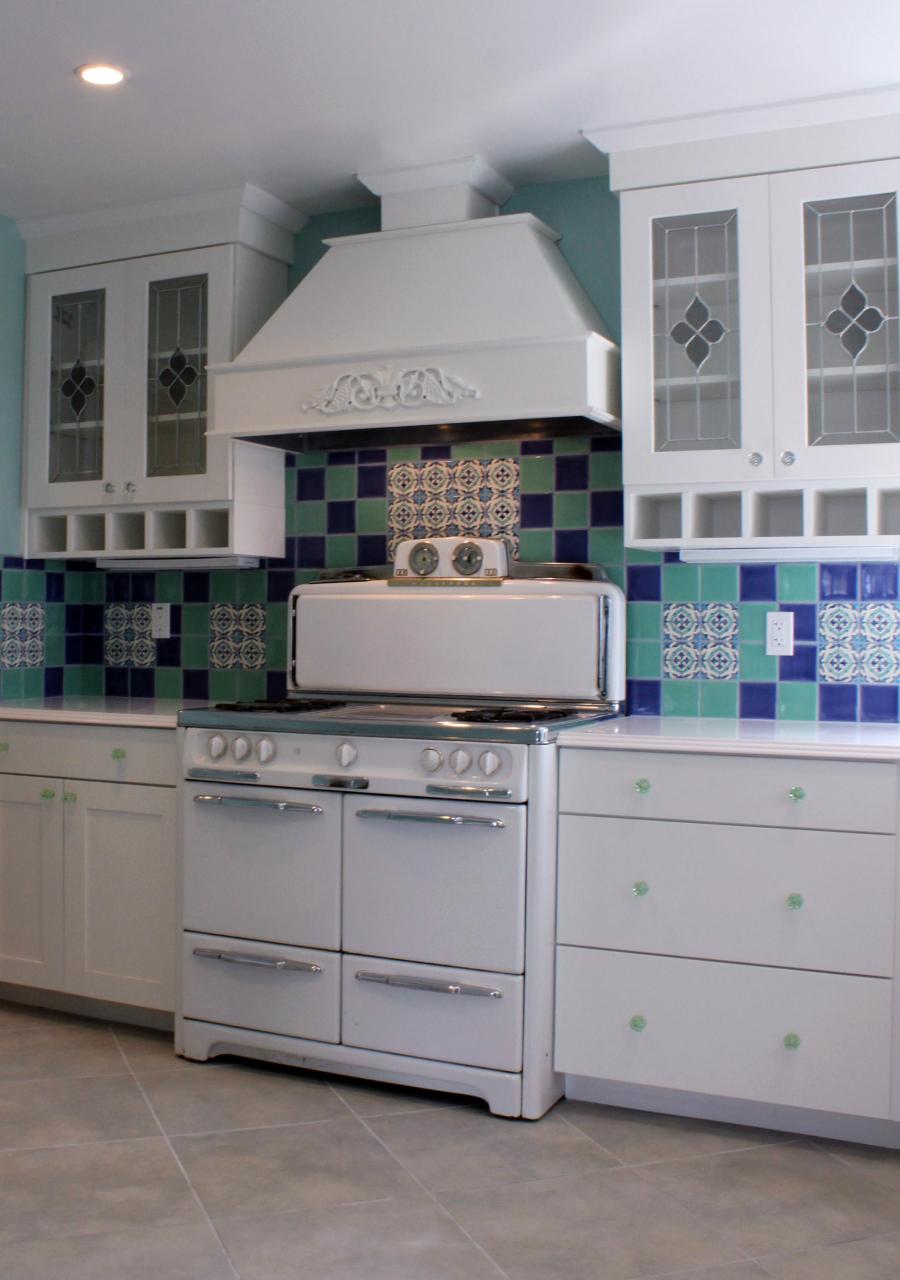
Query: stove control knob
x=489, y=763
x=265, y=750
x=460, y=761
x=240, y=748
x=217, y=746
x=346, y=754
x=431, y=759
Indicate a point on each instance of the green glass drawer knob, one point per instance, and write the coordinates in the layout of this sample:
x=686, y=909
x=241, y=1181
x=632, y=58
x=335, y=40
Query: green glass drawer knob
x=118, y=753
x=638, y=1022
x=4, y=746
x=642, y=786
x=794, y=901
x=69, y=797
x=792, y=1040
x=640, y=888
x=48, y=794
x=797, y=794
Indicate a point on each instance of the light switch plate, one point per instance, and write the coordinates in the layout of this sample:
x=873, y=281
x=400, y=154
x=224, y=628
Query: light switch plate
x=780, y=633
x=160, y=621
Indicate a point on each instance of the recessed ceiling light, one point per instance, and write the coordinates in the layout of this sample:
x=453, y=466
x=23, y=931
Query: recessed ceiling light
x=100, y=73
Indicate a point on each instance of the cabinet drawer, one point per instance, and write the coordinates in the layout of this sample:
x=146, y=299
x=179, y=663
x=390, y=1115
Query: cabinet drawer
x=423, y=1020
x=721, y=1028
x=246, y=989
x=832, y=795
x=802, y=899
x=436, y=881
x=102, y=753
x=263, y=862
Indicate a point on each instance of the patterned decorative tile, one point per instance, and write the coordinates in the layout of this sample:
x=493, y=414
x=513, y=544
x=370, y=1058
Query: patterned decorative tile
x=127, y=639
x=859, y=643
x=701, y=641
x=474, y=497
x=22, y=627
x=237, y=637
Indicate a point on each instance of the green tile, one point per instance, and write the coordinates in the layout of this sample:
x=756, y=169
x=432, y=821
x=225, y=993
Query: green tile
x=169, y=586
x=340, y=483
x=195, y=651
x=371, y=515
x=33, y=682
x=251, y=586
x=14, y=584
x=222, y=686
x=311, y=459
x=276, y=637
x=72, y=678
x=13, y=684
x=798, y=701
x=34, y=584
x=251, y=684
x=644, y=620
x=195, y=620
x=73, y=590
x=616, y=576
x=719, y=698
x=499, y=449
x=309, y=517
x=223, y=586
x=644, y=661
x=535, y=545
x=54, y=650
x=798, y=583
x=54, y=566
x=536, y=474
x=637, y=555
x=605, y=547
x=55, y=620
x=168, y=682
x=753, y=623
x=570, y=510
x=93, y=587
x=606, y=470
x=405, y=453
x=681, y=582
x=756, y=664
x=572, y=444
x=681, y=697
x=719, y=582
x=340, y=551
x=291, y=516
x=469, y=450
x=92, y=681
x=290, y=488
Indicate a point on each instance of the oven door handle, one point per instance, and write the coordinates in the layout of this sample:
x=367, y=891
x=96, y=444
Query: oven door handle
x=223, y=775
x=340, y=782
x=470, y=793
x=443, y=819
x=428, y=984
x=259, y=961
x=247, y=802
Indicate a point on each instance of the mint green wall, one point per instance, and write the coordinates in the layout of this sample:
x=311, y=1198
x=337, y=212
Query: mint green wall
x=308, y=246
x=12, y=345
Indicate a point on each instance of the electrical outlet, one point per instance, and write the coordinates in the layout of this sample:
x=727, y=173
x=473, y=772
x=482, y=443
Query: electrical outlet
x=780, y=633
x=160, y=621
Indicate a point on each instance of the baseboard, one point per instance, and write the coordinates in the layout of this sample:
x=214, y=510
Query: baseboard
x=85, y=1007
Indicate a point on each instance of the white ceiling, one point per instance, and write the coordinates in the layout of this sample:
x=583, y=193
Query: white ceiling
x=298, y=95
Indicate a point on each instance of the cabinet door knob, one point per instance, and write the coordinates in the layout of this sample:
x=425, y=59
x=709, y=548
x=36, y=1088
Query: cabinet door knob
x=130, y=487
x=797, y=794
x=787, y=458
x=640, y=888
x=48, y=794
x=4, y=746
x=118, y=753
x=792, y=1040
x=642, y=786
x=109, y=487
x=69, y=797
x=755, y=459
x=794, y=901
x=638, y=1022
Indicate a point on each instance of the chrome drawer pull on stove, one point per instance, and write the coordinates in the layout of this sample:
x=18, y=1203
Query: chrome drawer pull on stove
x=247, y=802
x=444, y=819
x=472, y=793
x=428, y=984
x=261, y=962
x=338, y=783
x=223, y=775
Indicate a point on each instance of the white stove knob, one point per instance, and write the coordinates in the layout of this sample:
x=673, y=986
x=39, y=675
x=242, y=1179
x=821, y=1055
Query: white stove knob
x=460, y=760
x=431, y=759
x=216, y=746
x=489, y=762
x=240, y=748
x=346, y=754
x=265, y=750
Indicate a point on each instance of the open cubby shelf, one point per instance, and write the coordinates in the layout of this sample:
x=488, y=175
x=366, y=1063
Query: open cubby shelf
x=160, y=531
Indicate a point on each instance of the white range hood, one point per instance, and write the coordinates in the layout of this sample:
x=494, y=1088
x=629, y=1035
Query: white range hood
x=449, y=315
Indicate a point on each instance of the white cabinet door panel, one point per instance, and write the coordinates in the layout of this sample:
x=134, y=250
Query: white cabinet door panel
x=31, y=882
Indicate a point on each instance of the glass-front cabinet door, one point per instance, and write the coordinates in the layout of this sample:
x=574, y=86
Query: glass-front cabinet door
x=835, y=321
x=696, y=333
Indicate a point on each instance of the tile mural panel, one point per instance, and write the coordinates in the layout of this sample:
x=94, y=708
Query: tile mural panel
x=127, y=640
x=237, y=637
x=472, y=497
x=22, y=628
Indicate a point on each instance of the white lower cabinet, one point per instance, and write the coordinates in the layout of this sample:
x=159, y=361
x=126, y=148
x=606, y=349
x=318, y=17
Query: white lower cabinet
x=31, y=882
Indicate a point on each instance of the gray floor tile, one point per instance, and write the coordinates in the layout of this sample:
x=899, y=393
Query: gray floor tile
x=217, y=1097
x=392, y=1240
x=370, y=1099
x=598, y=1226
x=63, y=1051
x=27, y=1017
x=779, y=1198
x=458, y=1148
x=638, y=1136
x=47, y=1113
x=880, y=1162
x=93, y=1189
x=160, y=1253
x=149, y=1050
x=875, y=1259
x=302, y=1167
x=730, y=1271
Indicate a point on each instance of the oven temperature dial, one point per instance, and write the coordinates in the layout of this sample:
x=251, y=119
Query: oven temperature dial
x=431, y=759
x=460, y=761
x=265, y=750
x=216, y=746
x=240, y=748
x=346, y=754
x=489, y=763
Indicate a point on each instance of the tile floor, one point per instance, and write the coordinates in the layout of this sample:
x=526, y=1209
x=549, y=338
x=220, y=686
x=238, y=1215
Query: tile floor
x=119, y=1161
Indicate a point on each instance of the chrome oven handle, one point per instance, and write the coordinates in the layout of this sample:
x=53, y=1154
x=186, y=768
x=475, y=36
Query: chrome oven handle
x=338, y=782
x=224, y=775
x=427, y=984
x=253, y=958
x=470, y=793
x=443, y=819
x=247, y=802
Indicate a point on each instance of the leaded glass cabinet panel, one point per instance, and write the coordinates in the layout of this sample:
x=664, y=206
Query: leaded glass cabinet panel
x=176, y=376
x=77, y=373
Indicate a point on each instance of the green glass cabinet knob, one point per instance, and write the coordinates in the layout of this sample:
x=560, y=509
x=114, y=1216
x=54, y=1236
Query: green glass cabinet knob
x=642, y=786
x=640, y=888
x=796, y=793
x=794, y=901
x=119, y=753
x=792, y=1040
x=48, y=794
x=4, y=746
x=69, y=797
x=638, y=1022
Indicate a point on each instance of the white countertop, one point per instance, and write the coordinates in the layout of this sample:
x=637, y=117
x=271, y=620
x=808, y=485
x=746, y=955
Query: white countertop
x=740, y=737
x=148, y=713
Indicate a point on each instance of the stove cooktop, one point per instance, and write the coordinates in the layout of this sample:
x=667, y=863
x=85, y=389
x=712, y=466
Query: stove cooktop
x=281, y=706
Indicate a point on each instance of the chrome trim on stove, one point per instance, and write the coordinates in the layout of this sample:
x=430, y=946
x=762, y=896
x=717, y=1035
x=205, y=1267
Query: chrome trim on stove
x=445, y=819
x=247, y=802
x=470, y=792
x=338, y=783
x=224, y=775
x=428, y=984
x=259, y=961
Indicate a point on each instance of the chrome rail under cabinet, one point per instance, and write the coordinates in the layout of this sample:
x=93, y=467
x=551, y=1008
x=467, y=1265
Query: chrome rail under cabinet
x=443, y=819
x=259, y=961
x=470, y=793
x=223, y=775
x=247, y=802
x=428, y=984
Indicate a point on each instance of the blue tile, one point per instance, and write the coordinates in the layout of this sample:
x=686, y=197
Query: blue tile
x=34, y=564
x=876, y=582
x=757, y=582
x=92, y=650
x=53, y=682
x=115, y=682
x=380, y=455
x=56, y=587
x=91, y=619
x=196, y=588
x=279, y=584
x=800, y=665
x=757, y=700
x=837, y=701
x=13, y=562
x=371, y=549
x=371, y=482
x=671, y=557
x=571, y=545
x=195, y=684
x=571, y=471
x=141, y=682
x=536, y=511
x=432, y=453
x=168, y=652
x=310, y=484
x=341, y=517
x=644, y=697
x=311, y=552
x=73, y=651
x=607, y=508
x=537, y=446
x=276, y=684
x=644, y=582
x=606, y=444
x=118, y=588
x=174, y=619
x=74, y=615
x=804, y=620
x=878, y=704
x=143, y=588
x=837, y=582
x=341, y=458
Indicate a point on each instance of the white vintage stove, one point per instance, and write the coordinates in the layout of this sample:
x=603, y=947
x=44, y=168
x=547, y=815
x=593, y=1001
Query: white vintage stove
x=369, y=866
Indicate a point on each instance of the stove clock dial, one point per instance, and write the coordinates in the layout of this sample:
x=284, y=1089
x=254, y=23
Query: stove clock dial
x=460, y=760
x=216, y=746
x=468, y=558
x=431, y=759
x=265, y=750
x=240, y=748
x=489, y=762
x=346, y=753
x=423, y=559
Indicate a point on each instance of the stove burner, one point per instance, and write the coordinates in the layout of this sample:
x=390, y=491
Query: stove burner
x=280, y=706
x=510, y=715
